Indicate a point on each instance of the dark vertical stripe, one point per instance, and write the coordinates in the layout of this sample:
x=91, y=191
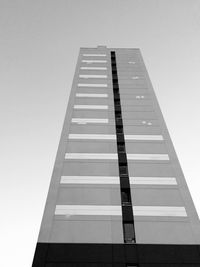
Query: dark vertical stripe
x=127, y=210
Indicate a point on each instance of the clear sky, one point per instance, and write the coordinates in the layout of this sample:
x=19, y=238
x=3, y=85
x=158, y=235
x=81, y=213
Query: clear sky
x=39, y=45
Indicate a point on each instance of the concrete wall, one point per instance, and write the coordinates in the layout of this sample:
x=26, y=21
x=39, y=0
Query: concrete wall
x=141, y=116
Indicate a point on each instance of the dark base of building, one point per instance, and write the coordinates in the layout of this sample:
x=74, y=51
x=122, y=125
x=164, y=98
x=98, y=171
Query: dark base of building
x=115, y=255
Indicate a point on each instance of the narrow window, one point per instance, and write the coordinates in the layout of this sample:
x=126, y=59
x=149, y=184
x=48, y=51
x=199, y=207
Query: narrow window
x=129, y=236
x=126, y=199
x=118, y=121
x=127, y=210
x=116, y=95
x=118, y=114
x=119, y=129
x=121, y=148
x=117, y=102
x=123, y=171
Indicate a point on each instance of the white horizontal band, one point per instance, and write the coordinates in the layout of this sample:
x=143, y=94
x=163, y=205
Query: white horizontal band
x=92, y=85
x=115, y=180
x=114, y=156
x=89, y=120
x=70, y=210
x=74, y=210
x=147, y=157
x=153, y=180
x=90, y=107
x=93, y=68
x=144, y=137
x=94, y=55
x=113, y=137
x=92, y=95
x=88, y=76
x=89, y=180
x=93, y=136
x=94, y=61
x=159, y=211
x=91, y=156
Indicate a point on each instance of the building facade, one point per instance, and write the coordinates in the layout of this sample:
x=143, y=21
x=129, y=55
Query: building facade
x=117, y=196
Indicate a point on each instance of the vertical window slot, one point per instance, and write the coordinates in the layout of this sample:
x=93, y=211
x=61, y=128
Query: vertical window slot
x=121, y=148
x=118, y=114
x=129, y=235
x=123, y=170
x=117, y=102
x=119, y=129
x=127, y=210
x=126, y=197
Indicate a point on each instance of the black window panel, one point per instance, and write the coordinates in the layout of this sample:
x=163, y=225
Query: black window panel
x=122, y=158
x=129, y=235
x=114, y=71
x=118, y=122
x=118, y=109
x=120, y=143
x=116, y=86
x=117, y=102
x=116, y=93
x=124, y=182
x=119, y=129
x=121, y=148
x=116, y=89
x=126, y=197
x=120, y=138
x=127, y=214
x=123, y=170
x=118, y=114
x=116, y=96
x=114, y=77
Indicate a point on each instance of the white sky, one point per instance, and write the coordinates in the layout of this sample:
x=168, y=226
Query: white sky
x=39, y=44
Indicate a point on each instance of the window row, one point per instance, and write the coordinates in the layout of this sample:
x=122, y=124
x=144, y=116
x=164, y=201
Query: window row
x=115, y=180
x=113, y=137
x=114, y=156
x=105, y=210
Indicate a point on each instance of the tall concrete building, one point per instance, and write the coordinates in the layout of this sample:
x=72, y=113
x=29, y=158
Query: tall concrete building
x=117, y=196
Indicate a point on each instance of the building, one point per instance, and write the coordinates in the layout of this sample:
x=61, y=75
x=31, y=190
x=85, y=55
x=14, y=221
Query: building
x=117, y=196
